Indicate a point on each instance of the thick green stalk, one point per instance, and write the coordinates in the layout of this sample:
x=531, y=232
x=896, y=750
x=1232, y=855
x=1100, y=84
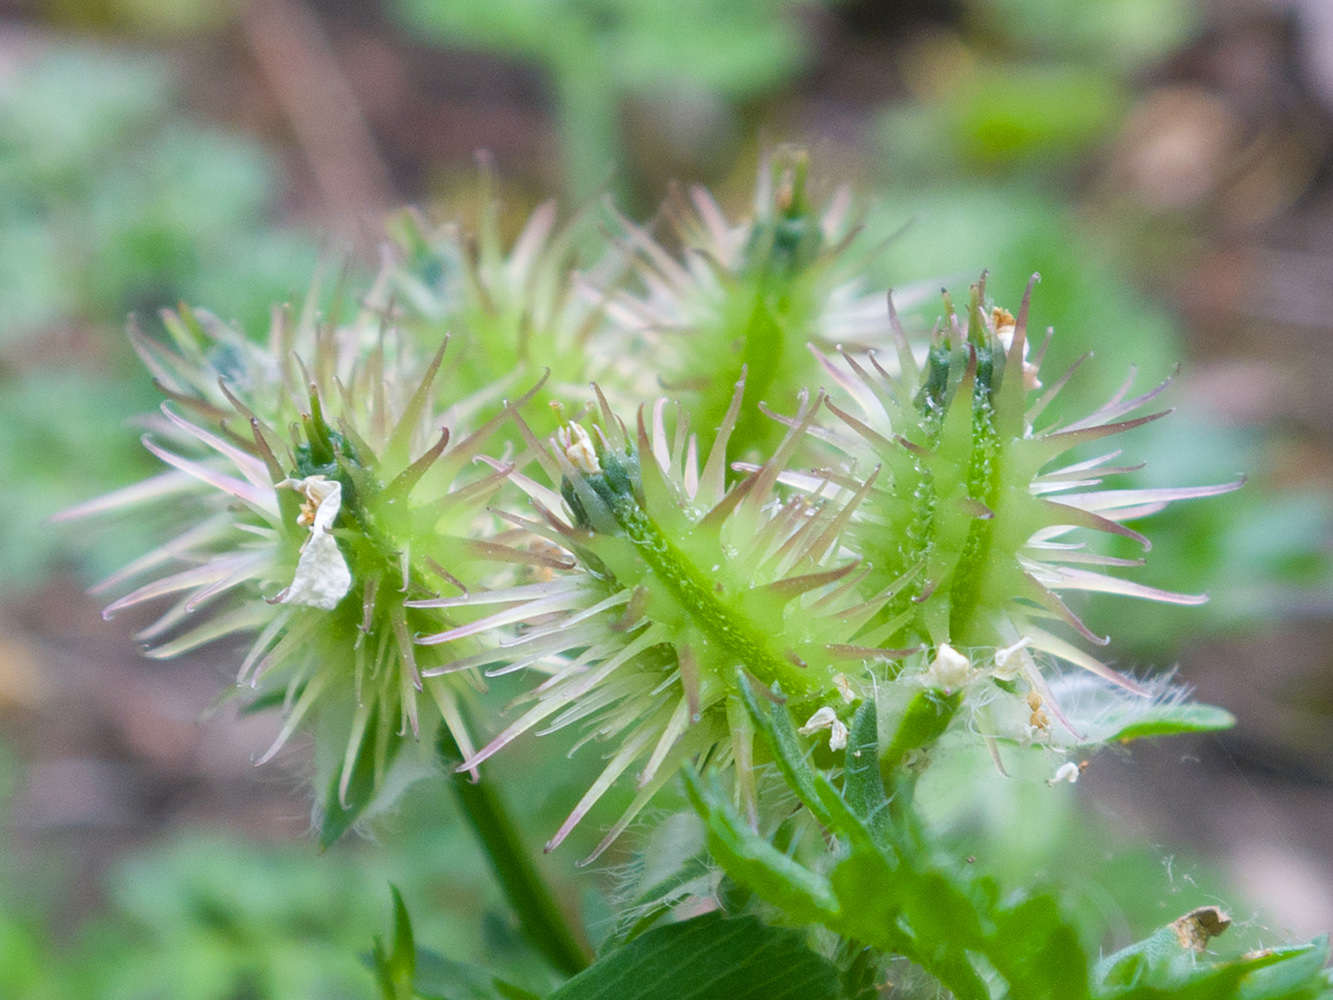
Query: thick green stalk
x=538, y=912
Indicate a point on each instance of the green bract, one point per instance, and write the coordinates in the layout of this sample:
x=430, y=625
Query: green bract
x=971, y=521
x=513, y=315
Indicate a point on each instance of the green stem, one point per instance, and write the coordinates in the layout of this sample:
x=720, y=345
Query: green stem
x=724, y=624
x=538, y=912
x=927, y=716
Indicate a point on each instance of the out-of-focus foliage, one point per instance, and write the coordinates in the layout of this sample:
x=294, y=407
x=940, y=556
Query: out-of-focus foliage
x=221, y=916
x=112, y=201
x=1125, y=35
x=62, y=436
x=596, y=53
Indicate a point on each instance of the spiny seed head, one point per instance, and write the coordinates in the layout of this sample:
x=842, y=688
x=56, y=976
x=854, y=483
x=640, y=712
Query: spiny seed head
x=513, y=312
x=972, y=518
x=680, y=586
x=316, y=490
x=749, y=294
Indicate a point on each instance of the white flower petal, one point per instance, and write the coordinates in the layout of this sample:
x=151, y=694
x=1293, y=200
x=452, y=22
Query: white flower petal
x=949, y=670
x=1068, y=771
x=322, y=577
x=823, y=718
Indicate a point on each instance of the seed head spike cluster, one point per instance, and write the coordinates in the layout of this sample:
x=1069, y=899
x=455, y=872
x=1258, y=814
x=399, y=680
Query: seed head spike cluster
x=359, y=500
x=751, y=294
x=973, y=520
x=681, y=581
x=512, y=315
x=323, y=489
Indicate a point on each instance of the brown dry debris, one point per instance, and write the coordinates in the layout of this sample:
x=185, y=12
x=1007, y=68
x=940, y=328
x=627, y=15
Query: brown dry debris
x=1196, y=928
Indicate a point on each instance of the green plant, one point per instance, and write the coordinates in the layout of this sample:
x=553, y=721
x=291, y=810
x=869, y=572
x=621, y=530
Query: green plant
x=809, y=627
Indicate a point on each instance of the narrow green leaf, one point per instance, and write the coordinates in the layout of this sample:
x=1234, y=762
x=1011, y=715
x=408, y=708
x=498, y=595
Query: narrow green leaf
x=1169, y=720
x=403, y=958
x=756, y=864
x=815, y=791
x=774, y=722
x=378, y=961
x=863, y=785
x=395, y=969
x=711, y=957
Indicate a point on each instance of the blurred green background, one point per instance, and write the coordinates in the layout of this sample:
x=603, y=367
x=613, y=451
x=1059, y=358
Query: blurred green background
x=1166, y=165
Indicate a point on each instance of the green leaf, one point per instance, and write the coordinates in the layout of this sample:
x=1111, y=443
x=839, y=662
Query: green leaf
x=755, y=863
x=395, y=970
x=1169, y=720
x=711, y=957
x=405, y=973
x=889, y=888
x=1172, y=962
x=403, y=960
x=816, y=793
x=863, y=785
x=1038, y=951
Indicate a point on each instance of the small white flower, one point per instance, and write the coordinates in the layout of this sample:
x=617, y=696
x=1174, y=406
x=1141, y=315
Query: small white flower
x=826, y=718
x=1068, y=771
x=949, y=670
x=1012, y=660
x=322, y=577
x=822, y=719
x=844, y=687
x=578, y=448
x=837, y=737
